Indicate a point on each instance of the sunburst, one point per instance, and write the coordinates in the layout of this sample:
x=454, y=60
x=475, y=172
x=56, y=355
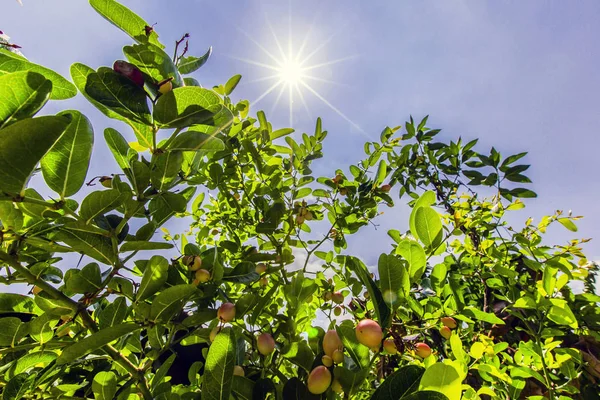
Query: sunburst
x=293, y=74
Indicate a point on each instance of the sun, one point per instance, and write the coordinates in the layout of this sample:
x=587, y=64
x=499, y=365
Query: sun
x=292, y=71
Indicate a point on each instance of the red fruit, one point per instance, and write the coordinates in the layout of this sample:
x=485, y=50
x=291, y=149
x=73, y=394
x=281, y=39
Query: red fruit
x=265, y=344
x=319, y=380
x=331, y=342
x=449, y=322
x=445, y=332
x=337, y=297
x=368, y=333
x=226, y=312
x=385, y=188
x=423, y=350
x=130, y=71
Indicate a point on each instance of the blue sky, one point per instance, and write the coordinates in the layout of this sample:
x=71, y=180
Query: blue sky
x=520, y=76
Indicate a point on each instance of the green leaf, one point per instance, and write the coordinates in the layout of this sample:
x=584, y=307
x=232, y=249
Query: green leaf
x=561, y=313
x=428, y=225
x=165, y=205
x=99, y=203
x=443, y=378
x=12, y=330
x=457, y=349
x=567, y=223
x=18, y=386
x=299, y=353
x=95, y=341
x=86, y=280
x=399, y=384
x=162, y=371
x=30, y=360
x=218, y=370
x=66, y=164
x=113, y=314
x=471, y=311
x=126, y=20
x=425, y=395
x=525, y=302
x=358, y=352
x=190, y=105
x=165, y=169
x=155, y=276
x=80, y=74
x=351, y=381
x=88, y=241
x=170, y=301
x=119, y=94
x=22, y=146
x=381, y=173
x=381, y=309
x=187, y=65
x=104, y=385
x=41, y=328
x=11, y=216
x=23, y=94
x=61, y=88
x=120, y=149
x=193, y=140
x=154, y=62
x=414, y=254
x=281, y=132
x=295, y=389
x=232, y=83
x=426, y=199
x=12, y=302
x=188, y=81
x=137, y=245
x=394, y=280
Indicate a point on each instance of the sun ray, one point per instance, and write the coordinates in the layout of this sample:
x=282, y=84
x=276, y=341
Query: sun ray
x=301, y=95
x=267, y=52
x=274, y=36
x=305, y=40
x=325, y=64
x=257, y=63
x=319, y=47
x=269, y=90
x=334, y=108
x=264, y=78
x=274, y=107
x=315, y=78
x=291, y=92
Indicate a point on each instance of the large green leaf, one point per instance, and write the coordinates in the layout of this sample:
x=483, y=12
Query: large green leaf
x=12, y=302
x=119, y=94
x=65, y=166
x=86, y=280
x=413, y=252
x=170, y=301
x=12, y=330
x=426, y=199
x=95, y=341
x=87, y=240
x=11, y=216
x=358, y=352
x=428, y=225
x=99, y=203
x=351, y=381
x=218, y=370
x=425, y=395
x=187, y=65
x=155, y=276
x=41, y=328
x=80, y=74
x=137, y=245
x=22, y=146
x=165, y=205
x=393, y=279
x=193, y=140
x=18, y=386
x=23, y=94
x=400, y=384
x=104, y=385
x=443, y=378
x=295, y=389
x=113, y=314
x=187, y=106
x=126, y=20
x=382, y=311
x=120, y=150
x=61, y=88
x=154, y=62
x=165, y=169
x=30, y=360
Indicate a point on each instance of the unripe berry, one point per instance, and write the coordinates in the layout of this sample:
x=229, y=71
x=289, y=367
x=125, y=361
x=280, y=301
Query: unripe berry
x=368, y=332
x=331, y=342
x=265, y=344
x=338, y=356
x=36, y=290
x=226, y=312
x=202, y=275
x=319, y=380
x=196, y=264
x=239, y=371
x=261, y=268
x=445, y=332
x=328, y=296
x=106, y=181
x=337, y=297
x=390, y=346
x=385, y=188
x=336, y=386
x=337, y=311
x=422, y=350
x=449, y=322
x=327, y=361
x=263, y=281
x=165, y=87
